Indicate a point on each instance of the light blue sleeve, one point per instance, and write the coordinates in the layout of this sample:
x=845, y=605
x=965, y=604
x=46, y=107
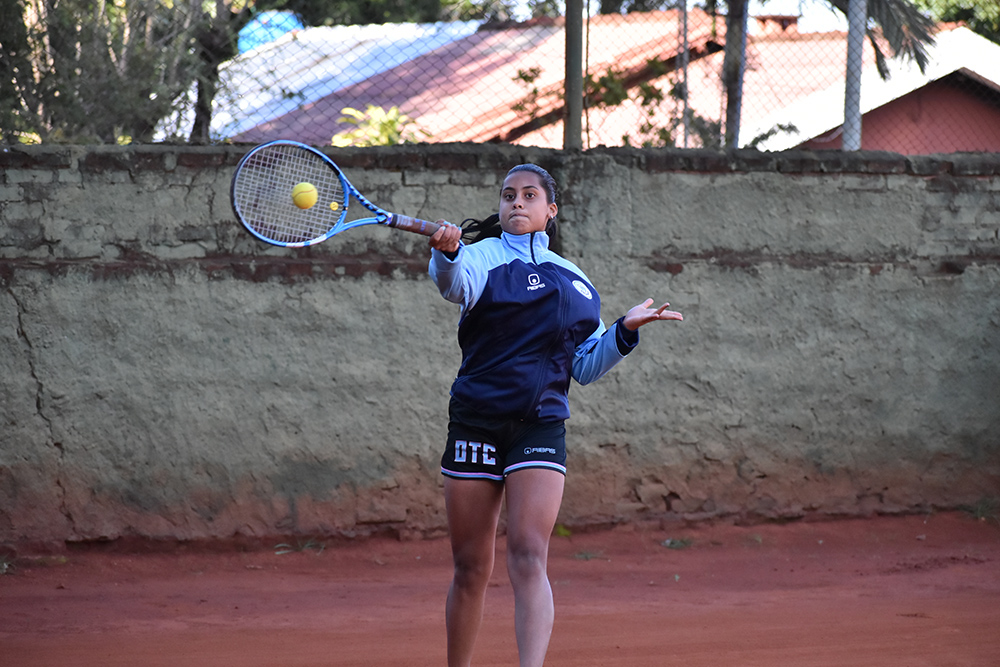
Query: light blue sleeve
x=598, y=354
x=460, y=280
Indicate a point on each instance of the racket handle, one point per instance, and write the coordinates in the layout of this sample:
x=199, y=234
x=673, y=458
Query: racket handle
x=415, y=225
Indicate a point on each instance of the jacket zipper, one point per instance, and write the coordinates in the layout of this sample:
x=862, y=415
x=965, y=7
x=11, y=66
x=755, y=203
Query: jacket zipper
x=563, y=301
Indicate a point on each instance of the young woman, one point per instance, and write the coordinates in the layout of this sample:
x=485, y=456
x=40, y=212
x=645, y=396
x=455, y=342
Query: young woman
x=530, y=321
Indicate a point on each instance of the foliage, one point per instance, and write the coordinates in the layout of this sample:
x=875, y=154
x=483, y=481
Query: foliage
x=375, y=127
x=352, y=12
x=529, y=105
x=664, y=120
x=79, y=71
x=485, y=10
x=607, y=90
x=217, y=40
x=300, y=546
x=655, y=104
x=550, y=8
x=678, y=543
x=773, y=131
x=982, y=17
x=903, y=26
x=497, y=10
x=627, y=6
x=665, y=117
x=985, y=509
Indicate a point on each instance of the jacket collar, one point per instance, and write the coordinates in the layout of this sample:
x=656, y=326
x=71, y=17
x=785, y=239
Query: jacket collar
x=526, y=245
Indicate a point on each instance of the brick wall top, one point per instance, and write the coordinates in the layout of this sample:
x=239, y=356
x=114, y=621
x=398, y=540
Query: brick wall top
x=475, y=156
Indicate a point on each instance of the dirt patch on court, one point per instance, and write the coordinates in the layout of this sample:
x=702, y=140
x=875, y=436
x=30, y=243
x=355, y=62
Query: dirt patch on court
x=913, y=590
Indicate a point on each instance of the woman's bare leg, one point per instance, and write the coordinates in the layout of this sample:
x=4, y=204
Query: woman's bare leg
x=533, y=499
x=473, y=507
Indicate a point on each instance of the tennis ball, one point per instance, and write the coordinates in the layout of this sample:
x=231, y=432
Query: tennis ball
x=304, y=195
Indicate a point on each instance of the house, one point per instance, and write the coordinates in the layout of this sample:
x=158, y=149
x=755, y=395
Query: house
x=504, y=83
x=952, y=106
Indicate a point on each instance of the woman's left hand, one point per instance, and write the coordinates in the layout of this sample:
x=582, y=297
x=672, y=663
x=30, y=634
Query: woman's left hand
x=643, y=314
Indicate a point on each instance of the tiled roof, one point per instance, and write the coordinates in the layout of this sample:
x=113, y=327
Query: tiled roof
x=308, y=65
x=466, y=90
x=504, y=83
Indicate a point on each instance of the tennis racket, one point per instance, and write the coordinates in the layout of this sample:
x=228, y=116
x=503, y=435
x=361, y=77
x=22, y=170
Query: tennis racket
x=263, y=189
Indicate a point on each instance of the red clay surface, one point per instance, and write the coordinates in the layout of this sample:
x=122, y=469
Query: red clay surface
x=907, y=591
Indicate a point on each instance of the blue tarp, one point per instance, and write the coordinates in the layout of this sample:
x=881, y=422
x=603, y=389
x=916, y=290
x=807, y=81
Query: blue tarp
x=267, y=27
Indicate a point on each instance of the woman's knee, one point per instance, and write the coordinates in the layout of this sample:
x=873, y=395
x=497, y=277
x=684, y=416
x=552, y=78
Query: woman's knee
x=473, y=572
x=527, y=560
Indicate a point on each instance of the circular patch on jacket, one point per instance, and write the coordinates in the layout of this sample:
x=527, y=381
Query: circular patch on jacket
x=582, y=288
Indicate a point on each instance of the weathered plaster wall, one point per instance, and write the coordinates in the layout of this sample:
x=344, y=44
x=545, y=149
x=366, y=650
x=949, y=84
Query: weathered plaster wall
x=165, y=376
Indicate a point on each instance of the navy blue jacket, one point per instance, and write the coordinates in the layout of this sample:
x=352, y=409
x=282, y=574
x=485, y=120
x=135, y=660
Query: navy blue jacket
x=530, y=320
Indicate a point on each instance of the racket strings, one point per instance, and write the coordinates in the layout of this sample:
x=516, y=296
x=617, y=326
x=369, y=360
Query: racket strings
x=263, y=193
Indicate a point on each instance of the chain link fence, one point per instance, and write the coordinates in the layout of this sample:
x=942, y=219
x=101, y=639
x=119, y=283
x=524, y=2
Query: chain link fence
x=650, y=79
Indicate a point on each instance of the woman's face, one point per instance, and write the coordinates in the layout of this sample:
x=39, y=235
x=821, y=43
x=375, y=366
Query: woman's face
x=523, y=205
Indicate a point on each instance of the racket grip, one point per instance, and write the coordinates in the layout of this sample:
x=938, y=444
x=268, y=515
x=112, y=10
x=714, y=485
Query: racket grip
x=416, y=225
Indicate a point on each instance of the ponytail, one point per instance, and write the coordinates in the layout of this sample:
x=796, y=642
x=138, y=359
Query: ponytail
x=482, y=229
x=490, y=228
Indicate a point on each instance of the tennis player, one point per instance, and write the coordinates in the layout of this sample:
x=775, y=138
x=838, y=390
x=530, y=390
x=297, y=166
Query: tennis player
x=530, y=320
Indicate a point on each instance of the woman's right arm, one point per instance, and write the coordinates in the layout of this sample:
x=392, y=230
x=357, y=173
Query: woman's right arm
x=458, y=277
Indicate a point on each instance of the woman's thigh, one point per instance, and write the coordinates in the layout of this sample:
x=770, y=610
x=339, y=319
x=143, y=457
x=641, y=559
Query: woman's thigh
x=473, y=507
x=533, y=499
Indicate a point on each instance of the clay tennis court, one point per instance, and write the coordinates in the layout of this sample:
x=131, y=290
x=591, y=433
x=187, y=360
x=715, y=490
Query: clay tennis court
x=907, y=591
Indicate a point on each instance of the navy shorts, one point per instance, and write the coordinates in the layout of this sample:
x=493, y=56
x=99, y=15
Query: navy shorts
x=484, y=448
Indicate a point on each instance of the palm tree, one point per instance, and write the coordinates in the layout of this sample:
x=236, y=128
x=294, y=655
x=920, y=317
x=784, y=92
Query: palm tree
x=904, y=29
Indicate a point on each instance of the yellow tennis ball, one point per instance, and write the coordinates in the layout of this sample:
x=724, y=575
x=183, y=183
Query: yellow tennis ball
x=304, y=195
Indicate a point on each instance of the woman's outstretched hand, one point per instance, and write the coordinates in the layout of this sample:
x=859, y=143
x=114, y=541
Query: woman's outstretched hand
x=643, y=314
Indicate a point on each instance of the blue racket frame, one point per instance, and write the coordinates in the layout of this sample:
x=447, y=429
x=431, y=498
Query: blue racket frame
x=261, y=197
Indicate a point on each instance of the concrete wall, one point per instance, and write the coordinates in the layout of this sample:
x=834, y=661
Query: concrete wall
x=165, y=376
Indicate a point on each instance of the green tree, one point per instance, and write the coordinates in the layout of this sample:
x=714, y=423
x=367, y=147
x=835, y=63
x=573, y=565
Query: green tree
x=352, y=12
x=628, y=6
x=982, y=16
x=17, y=89
x=217, y=38
x=906, y=29
x=485, y=10
x=550, y=8
x=85, y=71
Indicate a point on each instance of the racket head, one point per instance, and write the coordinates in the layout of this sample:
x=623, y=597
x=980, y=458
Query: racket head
x=261, y=194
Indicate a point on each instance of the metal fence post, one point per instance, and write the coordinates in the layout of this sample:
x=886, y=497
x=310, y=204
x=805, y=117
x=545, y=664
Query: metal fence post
x=685, y=62
x=573, y=123
x=734, y=67
x=857, y=19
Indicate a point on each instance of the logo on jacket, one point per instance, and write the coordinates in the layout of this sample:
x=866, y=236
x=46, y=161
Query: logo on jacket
x=534, y=282
x=582, y=288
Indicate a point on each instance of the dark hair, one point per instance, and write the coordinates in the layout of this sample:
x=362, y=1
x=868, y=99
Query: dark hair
x=548, y=182
x=490, y=227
